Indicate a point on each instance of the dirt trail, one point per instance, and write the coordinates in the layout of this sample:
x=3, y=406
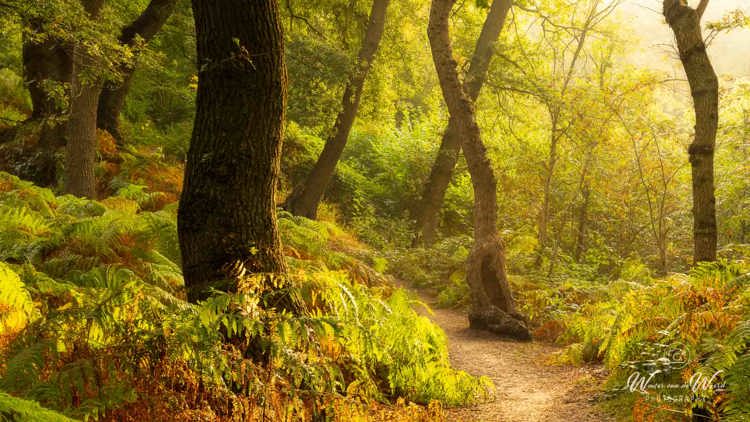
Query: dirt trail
x=528, y=388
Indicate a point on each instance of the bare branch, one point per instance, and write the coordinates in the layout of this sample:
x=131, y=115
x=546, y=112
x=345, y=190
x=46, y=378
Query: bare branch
x=701, y=8
x=304, y=20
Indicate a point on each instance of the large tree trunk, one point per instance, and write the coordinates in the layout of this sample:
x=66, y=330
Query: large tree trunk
x=80, y=151
x=704, y=88
x=45, y=62
x=227, y=216
x=304, y=199
x=81, y=148
x=143, y=29
x=493, y=307
x=428, y=216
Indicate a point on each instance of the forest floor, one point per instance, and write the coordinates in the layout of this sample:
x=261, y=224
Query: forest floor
x=529, y=388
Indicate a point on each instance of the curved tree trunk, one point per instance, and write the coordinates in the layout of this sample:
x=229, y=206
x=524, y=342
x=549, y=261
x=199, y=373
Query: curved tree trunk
x=428, y=218
x=227, y=216
x=304, y=199
x=493, y=307
x=80, y=151
x=143, y=29
x=704, y=88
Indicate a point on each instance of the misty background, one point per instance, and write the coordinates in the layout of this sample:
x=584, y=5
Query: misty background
x=729, y=51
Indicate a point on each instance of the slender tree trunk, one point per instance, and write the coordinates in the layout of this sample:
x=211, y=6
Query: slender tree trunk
x=580, y=245
x=304, y=199
x=704, y=88
x=45, y=63
x=428, y=216
x=493, y=307
x=663, y=261
x=549, y=175
x=227, y=216
x=143, y=29
x=556, y=134
x=81, y=148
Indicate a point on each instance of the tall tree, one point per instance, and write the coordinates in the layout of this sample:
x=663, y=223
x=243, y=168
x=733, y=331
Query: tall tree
x=493, y=307
x=450, y=146
x=141, y=30
x=304, y=199
x=227, y=215
x=85, y=87
x=704, y=88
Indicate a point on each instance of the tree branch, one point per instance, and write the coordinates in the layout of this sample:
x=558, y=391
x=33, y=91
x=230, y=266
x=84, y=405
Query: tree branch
x=304, y=20
x=701, y=8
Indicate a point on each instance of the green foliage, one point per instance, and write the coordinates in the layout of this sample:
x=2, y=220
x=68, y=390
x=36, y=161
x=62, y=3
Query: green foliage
x=97, y=323
x=13, y=409
x=680, y=326
x=94, y=287
x=15, y=303
x=318, y=74
x=441, y=268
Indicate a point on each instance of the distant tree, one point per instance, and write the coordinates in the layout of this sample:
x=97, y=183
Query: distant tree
x=47, y=65
x=85, y=86
x=440, y=176
x=134, y=35
x=52, y=31
x=704, y=88
x=227, y=215
x=566, y=63
x=304, y=199
x=492, y=307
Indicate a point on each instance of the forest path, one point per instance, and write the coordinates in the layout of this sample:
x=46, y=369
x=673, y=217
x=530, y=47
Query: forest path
x=528, y=388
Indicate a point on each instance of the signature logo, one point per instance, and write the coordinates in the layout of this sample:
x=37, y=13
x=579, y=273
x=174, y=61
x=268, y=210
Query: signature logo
x=660, y=364
x=699, y=382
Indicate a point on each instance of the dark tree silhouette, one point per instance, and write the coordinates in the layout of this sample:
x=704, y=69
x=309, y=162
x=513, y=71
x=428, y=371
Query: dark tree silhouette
x=45, y=61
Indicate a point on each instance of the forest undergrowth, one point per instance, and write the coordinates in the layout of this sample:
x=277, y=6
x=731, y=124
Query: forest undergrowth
x=95, y=325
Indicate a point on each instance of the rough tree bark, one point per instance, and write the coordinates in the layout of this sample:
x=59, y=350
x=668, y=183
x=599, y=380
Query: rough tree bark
x=45, y=61
x=143, y=29
x=304, y=199
x=428, y=216
x=81, y=147
x=493, y=307
x=227, y=216
x=704, y=88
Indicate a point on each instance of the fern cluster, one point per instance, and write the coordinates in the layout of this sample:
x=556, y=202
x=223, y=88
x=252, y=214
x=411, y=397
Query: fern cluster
x=95, y=325
x=680, y=328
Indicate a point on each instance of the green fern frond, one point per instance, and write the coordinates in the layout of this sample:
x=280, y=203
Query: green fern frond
x=16, y=305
